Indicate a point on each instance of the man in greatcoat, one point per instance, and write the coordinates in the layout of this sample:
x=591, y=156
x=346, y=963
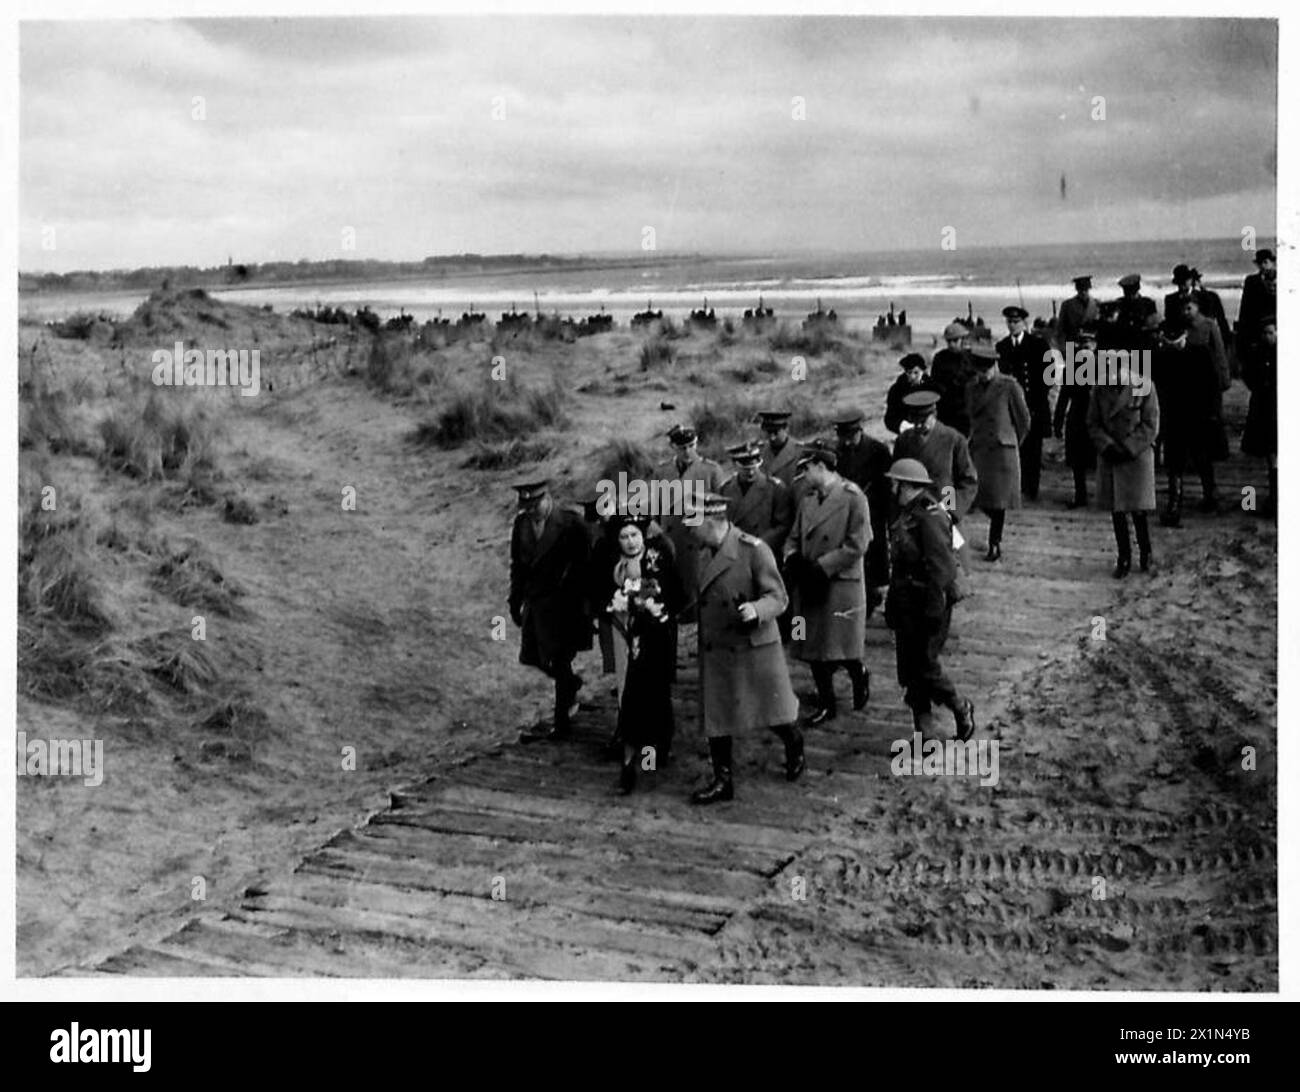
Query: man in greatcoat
x=1126, y=319
x=864, y=461
x=1080, y=311
x=780, y=453
x=1070, y=421
x=549, y=548
x=1024, y=356
x=744, y=679
x=691, y=467
x=999, y=422
x=824, y=560
x=1123, y=421
x=1258, y=302
x=943, y=451
x=760, y=505
x=950, y=370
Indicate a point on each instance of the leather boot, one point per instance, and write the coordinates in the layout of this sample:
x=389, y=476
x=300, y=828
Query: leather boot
x=1123, y=548
x=1142, y=531
x=824, y=677
x=795, y=764
x=964, y=716
x=1172, y=516
x=720, y=787
x=861, y=679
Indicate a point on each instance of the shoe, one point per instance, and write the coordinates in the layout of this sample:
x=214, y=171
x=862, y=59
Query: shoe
x=720, y=788
x=823, y=714
x=995, y=552
x=1122, y=568
x=861, y=689
x=574, y=705
x=546, y=733
x=965, y=717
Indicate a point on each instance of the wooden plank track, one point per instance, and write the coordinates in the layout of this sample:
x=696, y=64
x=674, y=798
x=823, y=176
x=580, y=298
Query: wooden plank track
x=521, y=862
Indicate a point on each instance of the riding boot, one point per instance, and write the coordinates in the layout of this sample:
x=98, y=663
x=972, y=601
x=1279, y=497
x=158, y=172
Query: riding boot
x=1143, y=533
x=794, y=757
x=1123, y=548
x=720, y=788
x=823, y=674
x=861, y=679
x=1172, y=516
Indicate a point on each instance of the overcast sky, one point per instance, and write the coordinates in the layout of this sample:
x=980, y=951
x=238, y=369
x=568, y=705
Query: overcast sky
x=610, y=126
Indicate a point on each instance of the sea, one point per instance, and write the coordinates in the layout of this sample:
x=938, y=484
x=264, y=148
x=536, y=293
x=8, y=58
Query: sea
x=932, y=287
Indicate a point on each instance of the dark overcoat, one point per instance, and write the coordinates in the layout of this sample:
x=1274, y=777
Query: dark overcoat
x=548, y=588
x=950, y=371
x=744, y=679
x=999, y=422
x=832, y=533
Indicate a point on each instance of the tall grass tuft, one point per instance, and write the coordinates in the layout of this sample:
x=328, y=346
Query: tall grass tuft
x=166, y=437
x=492, y=413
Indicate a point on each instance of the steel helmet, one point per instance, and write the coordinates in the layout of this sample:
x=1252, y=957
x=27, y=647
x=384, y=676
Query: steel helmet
x=910, y=470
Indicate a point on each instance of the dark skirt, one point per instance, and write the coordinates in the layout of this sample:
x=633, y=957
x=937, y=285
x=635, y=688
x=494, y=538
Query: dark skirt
x=645, y=717
x=1260, y=437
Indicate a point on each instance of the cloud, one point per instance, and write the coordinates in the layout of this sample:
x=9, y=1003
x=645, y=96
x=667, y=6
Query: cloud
x=393, y=126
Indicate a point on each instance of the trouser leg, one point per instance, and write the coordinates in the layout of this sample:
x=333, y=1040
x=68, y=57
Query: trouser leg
x=823, y=673
x=997, y=518
x=1123, y=547
x=1080, y=486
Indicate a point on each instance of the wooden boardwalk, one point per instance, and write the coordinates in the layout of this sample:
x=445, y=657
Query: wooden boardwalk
x=906, y=881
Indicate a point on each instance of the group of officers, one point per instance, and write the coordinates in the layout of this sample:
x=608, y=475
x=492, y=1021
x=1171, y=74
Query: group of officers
x=802, y=542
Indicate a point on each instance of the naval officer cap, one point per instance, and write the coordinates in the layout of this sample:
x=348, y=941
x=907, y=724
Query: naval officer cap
x=820, y=451
x=746, y=454
x=531, y=491
x=1083, y=282
x=1014, y=312
x=681, y=435
x=955, y=330
x=849, y=420
x=920, y=403
x=1130, y=280
x=773, y=419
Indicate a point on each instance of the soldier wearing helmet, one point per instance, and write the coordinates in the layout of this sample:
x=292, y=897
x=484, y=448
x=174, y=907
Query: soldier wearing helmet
x=921, y=594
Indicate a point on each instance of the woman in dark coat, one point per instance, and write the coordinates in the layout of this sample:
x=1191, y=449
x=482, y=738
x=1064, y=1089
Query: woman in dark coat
x=999, y=423
x=1260, y=437
x=1124, y=420
x=645, y=595
x=1071, y=421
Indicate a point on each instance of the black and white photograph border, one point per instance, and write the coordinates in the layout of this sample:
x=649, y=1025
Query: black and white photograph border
x=458, y=447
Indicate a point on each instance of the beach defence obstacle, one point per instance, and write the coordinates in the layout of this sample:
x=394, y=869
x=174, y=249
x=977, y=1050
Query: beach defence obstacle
x=514, y=320
x=471, y=319
x=758, y=320
x=893, y=329
x=975, y=324
x=596, y=324
x=821, y=319
x=704, y=318
x=648, y=317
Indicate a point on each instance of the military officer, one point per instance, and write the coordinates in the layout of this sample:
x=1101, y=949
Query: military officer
x=824, y=559
x=690, y=466
x=919, y=607
x=1024, y=356
x=1078, y=312
x=1258, y=302
x=943, y=451
x=760, y=504
x=863, y=460
x=999, y=422
x=780, y=453
x=1127, y=317
x=744, y=679
x=950, y=371
x=1070, y=423
x=549, y=548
